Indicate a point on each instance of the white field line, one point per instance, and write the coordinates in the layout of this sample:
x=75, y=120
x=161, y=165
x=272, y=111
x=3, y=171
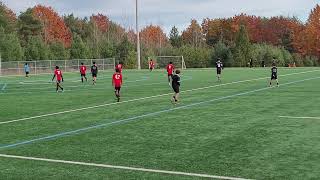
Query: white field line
x=138, y=99
x=4, y=87
x=121, y=167
x=294, y=117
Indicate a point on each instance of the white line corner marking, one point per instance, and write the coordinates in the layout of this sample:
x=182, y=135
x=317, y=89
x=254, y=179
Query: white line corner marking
x=122, y=167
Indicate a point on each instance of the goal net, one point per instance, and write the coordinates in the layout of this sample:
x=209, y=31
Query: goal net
x=162, y=61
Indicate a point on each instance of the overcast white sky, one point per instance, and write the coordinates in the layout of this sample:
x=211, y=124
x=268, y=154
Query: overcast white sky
x=171, y=12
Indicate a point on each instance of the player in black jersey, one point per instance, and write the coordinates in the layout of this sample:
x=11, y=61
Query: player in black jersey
x=176, y=86
x=274, y=74
x=94, y=72
x=219, y=67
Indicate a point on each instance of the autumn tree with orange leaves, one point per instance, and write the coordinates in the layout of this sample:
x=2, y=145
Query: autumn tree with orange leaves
x=153, y=37
x=54, y=28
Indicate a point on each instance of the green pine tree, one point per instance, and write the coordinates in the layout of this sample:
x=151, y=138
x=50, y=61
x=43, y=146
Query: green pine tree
x=242, y=50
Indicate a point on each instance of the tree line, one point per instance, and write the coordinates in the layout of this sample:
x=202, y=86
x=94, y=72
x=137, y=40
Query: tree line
x=40, y=33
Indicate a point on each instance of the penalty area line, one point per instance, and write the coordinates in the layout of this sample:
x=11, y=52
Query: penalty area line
x=177, y=173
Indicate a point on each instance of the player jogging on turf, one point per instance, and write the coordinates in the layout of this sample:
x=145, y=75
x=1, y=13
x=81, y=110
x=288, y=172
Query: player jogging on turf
x=170, y=70
x=176, y=86
x=117, y=83
x=119, y=66
x=59, y=78
x=274, y=75
x=83, y=70
x=151, y=65
x=219, y=67
x=94, y=72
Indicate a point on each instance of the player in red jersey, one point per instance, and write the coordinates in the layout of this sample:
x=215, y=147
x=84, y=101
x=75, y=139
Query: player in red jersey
x=170, y=70
x=151, y=65
x=83, y=70
x=117, y=83
x=119, y=67
x=59, y=78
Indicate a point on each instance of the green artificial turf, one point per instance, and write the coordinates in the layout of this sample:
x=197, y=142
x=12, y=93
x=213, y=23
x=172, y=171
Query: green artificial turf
x=230, y=128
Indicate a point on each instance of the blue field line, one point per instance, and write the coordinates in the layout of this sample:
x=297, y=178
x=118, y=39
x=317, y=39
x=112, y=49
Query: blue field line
x=63, y=134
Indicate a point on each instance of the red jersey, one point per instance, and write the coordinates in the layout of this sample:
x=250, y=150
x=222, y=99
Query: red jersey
x=58, y=74
x=119, y=67
x=117, y=79
x=83, y=69
x=151, y=65
x=170, y=68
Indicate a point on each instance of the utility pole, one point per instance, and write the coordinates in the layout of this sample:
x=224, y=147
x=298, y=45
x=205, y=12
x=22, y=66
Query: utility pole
x=138, y=38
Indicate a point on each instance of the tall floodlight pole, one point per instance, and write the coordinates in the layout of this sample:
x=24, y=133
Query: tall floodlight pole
x=138, y=38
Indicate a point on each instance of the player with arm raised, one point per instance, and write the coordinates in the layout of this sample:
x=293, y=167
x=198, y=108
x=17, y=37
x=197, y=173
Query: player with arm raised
x=117, y=83
x=170, y=70
x=274, y=75
x=83, y=70
x=59, y=78
x=94, y=72
x=219, y=67
x=176, y=86
x=151, y=65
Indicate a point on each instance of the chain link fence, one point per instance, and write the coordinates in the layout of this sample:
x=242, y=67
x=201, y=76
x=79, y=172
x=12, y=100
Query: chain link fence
x=47, y=66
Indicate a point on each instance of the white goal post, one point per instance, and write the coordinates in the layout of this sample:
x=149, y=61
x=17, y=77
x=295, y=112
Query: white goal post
x=162, y=61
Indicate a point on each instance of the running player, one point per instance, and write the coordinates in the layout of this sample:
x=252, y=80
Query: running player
x=119, y=66
x=117, y=83
x=151, y=65
x=59, y=78
x=170, y=70
x=176, y=86
x=83, y=70
x=274, y=75
x=219, y=67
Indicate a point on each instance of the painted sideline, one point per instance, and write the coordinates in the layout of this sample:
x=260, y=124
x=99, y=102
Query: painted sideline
x=139, y=99
x=294, y=117
x=141, y=116
x=121, y=167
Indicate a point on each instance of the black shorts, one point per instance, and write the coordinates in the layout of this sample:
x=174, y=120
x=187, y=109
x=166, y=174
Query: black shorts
x=274, y=77
x=117, y=88
x=170, y=75
x=176, y=88
x=83, y=75
x=27, y=72
x=94, y=75
x=219, y=71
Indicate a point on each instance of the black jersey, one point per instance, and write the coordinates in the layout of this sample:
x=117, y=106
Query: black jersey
x=274, y=73
x=219, y=65
x=176, y=80
x=94, y=69
x=274, y=70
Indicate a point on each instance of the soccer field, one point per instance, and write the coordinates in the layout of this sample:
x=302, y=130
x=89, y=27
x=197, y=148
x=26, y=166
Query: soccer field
x=234, y=129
